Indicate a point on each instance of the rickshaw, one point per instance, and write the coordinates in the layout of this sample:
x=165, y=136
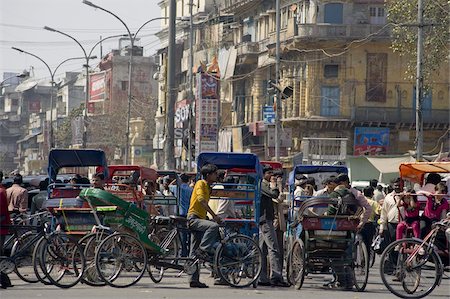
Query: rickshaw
x=122, y=258
x=327, y=242
x=245, y=194
x=418, y=265
x=63, y=199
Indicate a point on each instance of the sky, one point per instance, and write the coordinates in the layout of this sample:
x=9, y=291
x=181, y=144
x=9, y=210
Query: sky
x=22, y=23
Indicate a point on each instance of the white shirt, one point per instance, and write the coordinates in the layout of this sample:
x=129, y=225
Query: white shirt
x=389, y=211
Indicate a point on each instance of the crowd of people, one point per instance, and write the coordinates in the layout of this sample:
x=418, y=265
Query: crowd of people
x=392, y=211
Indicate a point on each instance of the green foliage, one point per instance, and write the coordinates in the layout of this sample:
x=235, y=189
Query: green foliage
x=403, y=14
x=64, y=133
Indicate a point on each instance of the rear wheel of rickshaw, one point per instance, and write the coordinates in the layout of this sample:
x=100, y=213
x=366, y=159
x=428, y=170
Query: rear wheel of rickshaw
x=89, y=244
x=63, y=260
x=295, y=266
x=121, y=260
x=238, y=261
x=38, y=266
x=360, y=265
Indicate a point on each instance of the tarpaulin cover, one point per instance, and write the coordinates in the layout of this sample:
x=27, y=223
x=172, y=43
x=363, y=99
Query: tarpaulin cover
x=415, y=171
x=308, y=169
x=230, y=160
x=59, y=158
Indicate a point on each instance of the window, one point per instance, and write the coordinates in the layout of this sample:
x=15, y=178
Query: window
x=124, y=85
x=376, y=77
x=334, y=13
x=331, y=71
x=330, y=101
x=377, y=15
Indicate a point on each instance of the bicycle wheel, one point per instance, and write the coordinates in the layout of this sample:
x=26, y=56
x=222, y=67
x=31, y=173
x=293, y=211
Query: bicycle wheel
x=372, y=257
x=417, y=269
x=155, y=272
x=89, y=244
x=360, y=265
x=24, y=263
x=121, y=260
x=38, y=267
x=295, y=267
x=63, y=260
x=238, y=261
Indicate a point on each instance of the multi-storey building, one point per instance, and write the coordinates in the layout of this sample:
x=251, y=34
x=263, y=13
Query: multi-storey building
x=346, y=83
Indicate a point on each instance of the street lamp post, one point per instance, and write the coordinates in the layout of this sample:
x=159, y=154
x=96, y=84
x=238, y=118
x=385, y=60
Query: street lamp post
x=52, y=78
x=22, y=75
x=132, y=38
x=87, y=57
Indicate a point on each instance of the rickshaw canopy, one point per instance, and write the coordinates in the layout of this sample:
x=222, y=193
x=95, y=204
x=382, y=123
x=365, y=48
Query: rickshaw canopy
x=273, y=164
x=145, y=173
x=60, y=158
x=309, y=169
x=230, y=160
x=415, y=171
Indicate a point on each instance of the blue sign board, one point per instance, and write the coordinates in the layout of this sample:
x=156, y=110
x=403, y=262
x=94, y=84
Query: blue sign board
x=268, y=115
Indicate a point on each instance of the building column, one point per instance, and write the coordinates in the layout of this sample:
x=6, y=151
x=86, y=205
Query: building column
x=258, y=95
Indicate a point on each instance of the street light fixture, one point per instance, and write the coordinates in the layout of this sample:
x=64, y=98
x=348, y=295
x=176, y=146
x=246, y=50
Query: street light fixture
x=22, y=75
x=132, y=38
x=52, y=78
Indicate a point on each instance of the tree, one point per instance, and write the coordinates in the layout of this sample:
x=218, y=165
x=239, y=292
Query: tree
x=403, y=15
x=64, y=132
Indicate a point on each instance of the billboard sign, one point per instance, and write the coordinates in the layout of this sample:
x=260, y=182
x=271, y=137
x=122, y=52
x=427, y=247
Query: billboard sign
x=370, y=141
x=97, y=87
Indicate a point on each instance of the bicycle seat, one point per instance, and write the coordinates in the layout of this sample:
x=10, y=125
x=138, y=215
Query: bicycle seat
x=178, y=219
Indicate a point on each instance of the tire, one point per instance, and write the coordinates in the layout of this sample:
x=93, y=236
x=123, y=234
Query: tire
x=295, y=266
x=238, y=261
x=24, y=264
x=360, y=265
x=121, y=260
x=163, y=236
x=89, y=244
x=415, y=274
x=63, y=260
x=37, y=264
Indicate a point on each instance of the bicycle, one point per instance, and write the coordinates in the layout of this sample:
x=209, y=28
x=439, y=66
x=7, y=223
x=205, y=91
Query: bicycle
x=418, y=268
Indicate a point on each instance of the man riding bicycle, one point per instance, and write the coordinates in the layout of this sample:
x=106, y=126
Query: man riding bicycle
x=198, y=222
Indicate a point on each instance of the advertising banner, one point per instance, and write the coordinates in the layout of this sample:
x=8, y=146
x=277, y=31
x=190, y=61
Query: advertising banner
x=97, y=87
x=370, y=141
x=181, y=126
x=207, y=113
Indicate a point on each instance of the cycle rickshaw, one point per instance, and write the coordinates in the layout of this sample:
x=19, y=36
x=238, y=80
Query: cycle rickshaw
x=418, y=265
x=123, y=257
x=327, y=241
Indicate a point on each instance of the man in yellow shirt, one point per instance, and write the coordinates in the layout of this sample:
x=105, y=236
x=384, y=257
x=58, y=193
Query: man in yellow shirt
x=198, y=223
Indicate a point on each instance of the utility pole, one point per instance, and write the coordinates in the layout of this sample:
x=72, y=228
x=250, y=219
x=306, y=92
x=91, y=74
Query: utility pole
x=419, y=82
x=191, y=85
x=169, y=160
x=277, y=80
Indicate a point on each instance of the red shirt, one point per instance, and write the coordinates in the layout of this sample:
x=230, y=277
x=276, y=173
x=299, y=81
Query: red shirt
x=4, y=214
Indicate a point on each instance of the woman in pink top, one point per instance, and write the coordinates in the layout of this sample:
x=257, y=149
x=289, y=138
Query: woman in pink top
x=409, y=203
x=435, y=208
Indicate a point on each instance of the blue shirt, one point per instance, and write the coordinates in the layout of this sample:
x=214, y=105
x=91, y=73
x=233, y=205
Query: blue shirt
x=185, y=198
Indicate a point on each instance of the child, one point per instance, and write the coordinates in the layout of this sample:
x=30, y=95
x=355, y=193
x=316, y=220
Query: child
x=435, y=208
x=409, y=203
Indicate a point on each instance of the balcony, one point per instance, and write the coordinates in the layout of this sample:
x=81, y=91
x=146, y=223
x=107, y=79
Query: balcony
x=397, y=115
x=247, y=48
x=333, y=31
x=236, y=6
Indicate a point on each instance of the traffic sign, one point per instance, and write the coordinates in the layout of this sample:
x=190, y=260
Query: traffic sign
x=268, y=115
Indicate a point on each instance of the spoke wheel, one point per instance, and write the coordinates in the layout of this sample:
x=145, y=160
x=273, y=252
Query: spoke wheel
x=238, y=261
x=63, y=260
x=416, y=271
x=121, y=260
x=296, y=264
x=24, y=264
x=360, y=265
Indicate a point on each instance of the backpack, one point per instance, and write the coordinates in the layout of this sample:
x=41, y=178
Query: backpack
x=343, y=207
